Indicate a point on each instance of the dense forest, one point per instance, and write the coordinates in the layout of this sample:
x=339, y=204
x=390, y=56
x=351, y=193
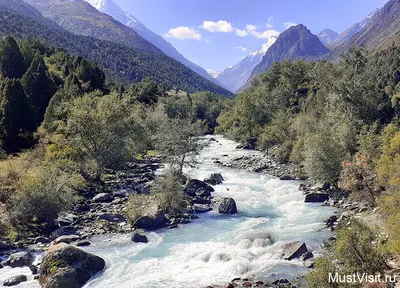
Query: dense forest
x=120, y=63
x=340, y=122
x=62, y=126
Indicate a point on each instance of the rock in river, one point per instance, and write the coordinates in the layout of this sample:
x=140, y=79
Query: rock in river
x=13, y=281
x=294, y=250
x=20, y=259
x=65, y=266
x=198, y=188
x=227, y=206
x=102, y=197
x=317, y=197
x=139, y=238
x=214, y=179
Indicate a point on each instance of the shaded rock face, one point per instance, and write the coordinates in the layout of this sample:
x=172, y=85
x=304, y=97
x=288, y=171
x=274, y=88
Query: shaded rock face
x=227, y=206
x=153, y=219
x=198, y=188
x=103, y=197
x=214, y=179
x=294, y=250
x=65, y=266
x=20, y=259
x=13, y=281
x=66, y=239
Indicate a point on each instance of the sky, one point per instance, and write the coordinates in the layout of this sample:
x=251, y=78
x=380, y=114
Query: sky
x=216, y=34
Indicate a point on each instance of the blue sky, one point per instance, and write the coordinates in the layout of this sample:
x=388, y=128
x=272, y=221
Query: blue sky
x=218, y=33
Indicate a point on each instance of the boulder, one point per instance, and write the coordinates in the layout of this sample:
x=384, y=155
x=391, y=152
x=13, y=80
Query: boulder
x=66, y=239
x=316, y=197
x=113, y=218
x=63, y=231
x=20, y=259
x=214, y=179
x=198, y=188
x=13, y=281
x=102, y=197
x=83, y=243
x=65, y=266
x=201, y=208
x=66, y=219
x=227, y=206
x=330, y=223
x=153, y=219
x=139, y=238
x=286, y=178
x=294, y=250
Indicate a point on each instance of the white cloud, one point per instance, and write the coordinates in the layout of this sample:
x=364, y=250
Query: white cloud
x=287, y=25
x=265, y=34
x=220, y=26
x=251, y=28
x=244, y=49
x=183, y=33
x=241, y=33
x=270, y=22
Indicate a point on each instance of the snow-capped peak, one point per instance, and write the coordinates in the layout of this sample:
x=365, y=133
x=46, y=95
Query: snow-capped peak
x=98, y=4
x=214, y=73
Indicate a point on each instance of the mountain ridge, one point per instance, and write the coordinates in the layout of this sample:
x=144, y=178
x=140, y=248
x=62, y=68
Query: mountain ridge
x=110, y=8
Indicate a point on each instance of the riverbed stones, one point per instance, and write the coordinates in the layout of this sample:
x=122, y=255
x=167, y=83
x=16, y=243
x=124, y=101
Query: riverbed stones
x=227, y=206
x=41, y=240
x=113, y=218
x=214, y=179
x=20, y=259
x=13, y=281
x=139, y=238
x=294, y=250
x=65, y=266
x=316, y=197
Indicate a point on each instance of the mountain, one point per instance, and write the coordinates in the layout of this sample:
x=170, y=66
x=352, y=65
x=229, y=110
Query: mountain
x=327, y=36
x=236, y=76
x=121, y=63
x=79, y=17
x=297, y=42
x=213, y=73
x=112, y=9
x=354, y=29
x=382, y=29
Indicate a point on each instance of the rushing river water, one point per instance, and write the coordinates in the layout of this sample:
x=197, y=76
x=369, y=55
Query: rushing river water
x=216, y=248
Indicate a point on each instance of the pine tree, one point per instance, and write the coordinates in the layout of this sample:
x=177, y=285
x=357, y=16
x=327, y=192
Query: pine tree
x=38, y=86
x=17, y=121
x=12, y=64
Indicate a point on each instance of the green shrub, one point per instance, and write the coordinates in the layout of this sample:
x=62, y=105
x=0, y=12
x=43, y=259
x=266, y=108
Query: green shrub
x=41, y=194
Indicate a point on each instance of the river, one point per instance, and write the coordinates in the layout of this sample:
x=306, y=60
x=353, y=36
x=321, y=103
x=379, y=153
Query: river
x=216, y=248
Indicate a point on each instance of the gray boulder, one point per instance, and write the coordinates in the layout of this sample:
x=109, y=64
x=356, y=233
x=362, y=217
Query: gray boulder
x=198, y=188
x=20, y=259
x=153, y=219
x=139, y=238
x=214, y=179
x=65, y=266
x=42, y=240
x=13, y=281
x=316, y=197
x=294, y=250
x=102, y=197
x=227, y=206
x=66, y=239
